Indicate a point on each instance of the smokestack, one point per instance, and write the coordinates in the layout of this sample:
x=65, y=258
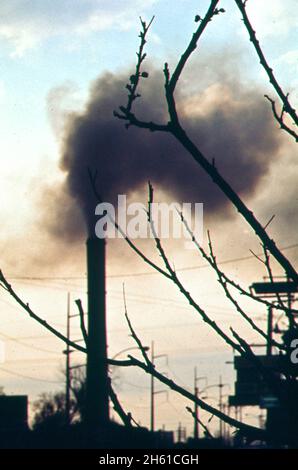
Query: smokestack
x=97, y=405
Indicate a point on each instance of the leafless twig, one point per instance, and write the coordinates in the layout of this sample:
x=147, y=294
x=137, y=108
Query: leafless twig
x=213, y=264
x=171, y=81
x=174, y=278
x=126, y=417
x=248, y=430
x=287, y=311
x=208, y=433
x=134, y=335
x=82, y=320
x=5, y=285
x=269, y=71
x=280, y=119
x=93, y=181
x=126, y=113
x=180, y=134
x=239, y=309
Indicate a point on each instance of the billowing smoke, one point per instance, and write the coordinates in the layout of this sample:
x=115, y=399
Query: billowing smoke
x=231, y=125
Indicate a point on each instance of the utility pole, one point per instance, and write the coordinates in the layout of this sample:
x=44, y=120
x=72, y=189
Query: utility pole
x=196, y=406
x=282, y=290
x=152, y=390
x=67, y=353
x=152, y=410
x=291, y=316
x=220, y=385
x=223, y=424
x=269, y=331
x=227, y=427
x=196, y=410
x=68, y=368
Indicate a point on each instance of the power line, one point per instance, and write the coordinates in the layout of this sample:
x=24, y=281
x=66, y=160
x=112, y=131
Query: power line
x=178, y=378
x=137, y=274
x=174, y=408
x=29, y=377
x=135, y=385
x=116, y=294
x=16, y=340
x=33, y=360
x=27, y=281
x=148, y=300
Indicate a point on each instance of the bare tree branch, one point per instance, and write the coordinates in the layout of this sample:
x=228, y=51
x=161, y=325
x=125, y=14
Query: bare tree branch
x=174, y=278
x=134, y=335
x=239, y=309
x=213, y=264
x=93, y=180
x=149, y=368
x=258, y=257
x=180, y=134
x=128, y=363
x=238, y=203
x=280, y=119
x=208, y=433
x=171, y=82
x=269, y=71
x=271, y=278
x=248, y=430
x=126, y=113
x=222, y=278
x=244, y=349
x=126, y=417
x=82, y=320
x=288, y=312
x=5, y=285
x=134, y=121
x=135, y=78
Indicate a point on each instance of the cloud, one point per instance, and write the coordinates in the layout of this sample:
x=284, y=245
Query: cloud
x=25, y=23
x=62, y=101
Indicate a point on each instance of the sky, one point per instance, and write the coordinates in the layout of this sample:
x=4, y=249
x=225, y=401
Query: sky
x=63, y=65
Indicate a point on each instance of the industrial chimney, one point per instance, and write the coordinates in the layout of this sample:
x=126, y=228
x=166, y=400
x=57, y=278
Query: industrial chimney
x=97, y=396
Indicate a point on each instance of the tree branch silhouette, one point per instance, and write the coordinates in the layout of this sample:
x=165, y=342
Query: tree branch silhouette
x=286, y=105
x=133, y=362
x=149, y=368
x=223, y=281
x=126, y=417
x=248, y=430
x=25, y=306
x=280, y=118
x=82, y=320
x=208, y=433
x=174, y=127
x=93, y=181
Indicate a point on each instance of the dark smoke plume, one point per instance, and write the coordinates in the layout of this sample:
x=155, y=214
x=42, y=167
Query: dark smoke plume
x=231, y=125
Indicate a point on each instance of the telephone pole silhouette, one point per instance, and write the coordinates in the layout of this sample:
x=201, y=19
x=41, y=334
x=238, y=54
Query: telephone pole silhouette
x=67, y=368
x=152, y=390
x=196, y=406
